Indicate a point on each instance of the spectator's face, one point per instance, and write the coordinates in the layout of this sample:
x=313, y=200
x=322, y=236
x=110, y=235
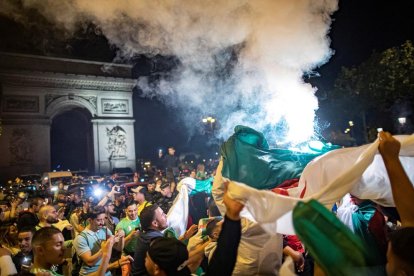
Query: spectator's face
x=151, y=187
x=39, y=204
x=61, y=198
x=25, y=241
x=166, y=192
x=193, y=174
x=51, y=215
x=161, y=219
x=12, y=232
x=111, y=208
x=53, y=250
x=76, y=197
x=138, y=197
x=98, y=222
x=131, y=212
x=71, y=197
x=171, y=151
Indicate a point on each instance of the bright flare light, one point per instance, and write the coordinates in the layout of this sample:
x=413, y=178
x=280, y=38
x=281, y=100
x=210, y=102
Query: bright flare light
x=97, y=192
x=316, y=145
x=291, y=93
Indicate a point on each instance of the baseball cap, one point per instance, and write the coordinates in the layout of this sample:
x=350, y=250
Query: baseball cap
x=170, y=255
x=164, y=185
x=138, y=189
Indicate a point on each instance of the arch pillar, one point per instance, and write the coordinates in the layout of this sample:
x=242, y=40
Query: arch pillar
x=114, y=144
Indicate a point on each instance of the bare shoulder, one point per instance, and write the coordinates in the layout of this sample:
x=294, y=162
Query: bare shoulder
x=4, y=252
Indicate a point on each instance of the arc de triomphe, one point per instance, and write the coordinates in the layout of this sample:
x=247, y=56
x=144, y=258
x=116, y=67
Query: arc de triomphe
x=36, y=89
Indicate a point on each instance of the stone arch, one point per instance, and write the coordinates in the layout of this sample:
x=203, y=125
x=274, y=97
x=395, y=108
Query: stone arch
x=63, y=104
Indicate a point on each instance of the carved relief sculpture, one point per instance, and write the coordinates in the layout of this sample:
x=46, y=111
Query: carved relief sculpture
x=116, y=143
x=111, y=106
x=20, y=146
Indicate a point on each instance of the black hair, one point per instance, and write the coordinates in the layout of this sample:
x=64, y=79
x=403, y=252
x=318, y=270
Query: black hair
x=44, y=234
x=95, y=212
x=213, y=210
x=211, y=225
x=130, y=202
x=147, y=216
x=402, y=243
x=27, y=229
x=35, y=201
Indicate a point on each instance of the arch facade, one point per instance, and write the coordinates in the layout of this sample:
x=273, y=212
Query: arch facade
x=35, y=89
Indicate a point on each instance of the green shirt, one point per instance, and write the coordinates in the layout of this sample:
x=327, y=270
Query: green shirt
x=37, y=270
x=128, y=226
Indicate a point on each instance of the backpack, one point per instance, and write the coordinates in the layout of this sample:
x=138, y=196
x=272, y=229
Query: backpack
x=76, y=261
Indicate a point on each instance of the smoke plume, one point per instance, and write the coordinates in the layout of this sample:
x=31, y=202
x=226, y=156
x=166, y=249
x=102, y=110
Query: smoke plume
x=240, y=61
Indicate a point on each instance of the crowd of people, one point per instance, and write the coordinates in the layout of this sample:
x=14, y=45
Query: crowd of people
x=118, y=234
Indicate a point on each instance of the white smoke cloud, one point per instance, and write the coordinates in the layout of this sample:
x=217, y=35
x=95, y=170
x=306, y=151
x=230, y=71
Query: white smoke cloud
x=241, y=61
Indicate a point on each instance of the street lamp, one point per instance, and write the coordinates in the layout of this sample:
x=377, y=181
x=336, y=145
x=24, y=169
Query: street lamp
x=210, y=121
x=402, y=120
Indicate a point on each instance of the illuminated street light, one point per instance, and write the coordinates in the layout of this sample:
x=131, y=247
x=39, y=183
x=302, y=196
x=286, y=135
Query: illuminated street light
x=210, y=121
x=402, y=120
x=351, y=123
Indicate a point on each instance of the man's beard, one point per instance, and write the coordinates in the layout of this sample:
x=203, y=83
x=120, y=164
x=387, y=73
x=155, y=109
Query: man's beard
x=52, y=220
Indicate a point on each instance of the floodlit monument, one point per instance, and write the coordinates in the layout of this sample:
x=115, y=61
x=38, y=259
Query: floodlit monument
x=35, y=90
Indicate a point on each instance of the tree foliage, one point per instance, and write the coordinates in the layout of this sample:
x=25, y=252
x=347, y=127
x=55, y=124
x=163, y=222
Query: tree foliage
x=373, y=93
x=379, y=82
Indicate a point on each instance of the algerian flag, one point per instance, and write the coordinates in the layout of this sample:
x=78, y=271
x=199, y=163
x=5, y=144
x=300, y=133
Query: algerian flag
x=247, y=151
x=327, y=178
x=178, y=214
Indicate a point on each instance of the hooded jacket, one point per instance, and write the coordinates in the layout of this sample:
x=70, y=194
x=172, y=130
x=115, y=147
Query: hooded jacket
x=143, y=244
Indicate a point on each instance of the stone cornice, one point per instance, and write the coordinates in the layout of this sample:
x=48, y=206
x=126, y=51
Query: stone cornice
x=66, y=81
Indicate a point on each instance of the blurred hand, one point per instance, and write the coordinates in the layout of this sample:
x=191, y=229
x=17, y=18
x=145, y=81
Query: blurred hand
x=120, y=233
x=106, y=246
x=114, y=190
x=233, y=207
x=14, y=203
x=299, y=261
x=133, y=233
x=125, y=260
x=191, y=231
x=389, y=147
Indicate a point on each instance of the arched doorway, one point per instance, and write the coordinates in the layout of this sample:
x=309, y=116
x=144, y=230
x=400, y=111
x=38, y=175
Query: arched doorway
x=71, y=139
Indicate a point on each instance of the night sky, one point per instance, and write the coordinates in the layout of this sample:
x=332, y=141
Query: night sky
x=359, y=27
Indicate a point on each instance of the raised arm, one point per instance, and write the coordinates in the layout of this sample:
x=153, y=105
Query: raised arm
x=225, y=255
x=401, y=186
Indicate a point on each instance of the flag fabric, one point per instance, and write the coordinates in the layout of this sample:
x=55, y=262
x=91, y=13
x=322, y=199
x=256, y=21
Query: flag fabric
x=247, y=151
x=333, y=245
x=202, y=186
x=177, y=216
x=327, y=178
